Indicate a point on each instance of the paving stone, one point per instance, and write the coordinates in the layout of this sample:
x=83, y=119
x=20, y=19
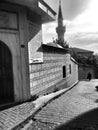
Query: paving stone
x=11, y=117
x=73, y=108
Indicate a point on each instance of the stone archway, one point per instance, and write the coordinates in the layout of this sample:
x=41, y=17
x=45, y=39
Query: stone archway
x=6, y=75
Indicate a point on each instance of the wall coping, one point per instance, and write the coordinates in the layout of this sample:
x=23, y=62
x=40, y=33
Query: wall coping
x=72, y=59
x=57, y=49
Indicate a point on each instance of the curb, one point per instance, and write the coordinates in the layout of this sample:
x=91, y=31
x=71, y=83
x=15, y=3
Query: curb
x=36, y=110
x=66, y=90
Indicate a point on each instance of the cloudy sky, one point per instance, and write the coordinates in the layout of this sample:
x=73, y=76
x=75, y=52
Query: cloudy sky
x=81, y=21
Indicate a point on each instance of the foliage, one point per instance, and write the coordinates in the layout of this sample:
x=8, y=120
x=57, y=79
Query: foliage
x=64, y=44
x=91, y=60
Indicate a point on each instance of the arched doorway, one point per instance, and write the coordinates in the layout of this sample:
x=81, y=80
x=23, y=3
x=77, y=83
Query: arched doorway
x=6, y=75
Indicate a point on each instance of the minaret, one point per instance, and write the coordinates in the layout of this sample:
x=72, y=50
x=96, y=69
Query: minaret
x=60, y=29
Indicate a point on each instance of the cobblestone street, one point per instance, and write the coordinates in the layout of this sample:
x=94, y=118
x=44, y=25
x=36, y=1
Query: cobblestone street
x=74, y=110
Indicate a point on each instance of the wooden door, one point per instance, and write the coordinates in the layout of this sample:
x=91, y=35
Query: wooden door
x=6, y=75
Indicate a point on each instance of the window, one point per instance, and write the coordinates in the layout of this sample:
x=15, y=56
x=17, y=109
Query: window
x=70, y=68
x=64, y=71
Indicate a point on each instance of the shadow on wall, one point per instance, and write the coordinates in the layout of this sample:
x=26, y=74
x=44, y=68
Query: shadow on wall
x=86, y=121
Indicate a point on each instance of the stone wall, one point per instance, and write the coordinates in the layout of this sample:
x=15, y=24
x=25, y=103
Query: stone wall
x=84, y=70
x=46, y=76
x=47, y=63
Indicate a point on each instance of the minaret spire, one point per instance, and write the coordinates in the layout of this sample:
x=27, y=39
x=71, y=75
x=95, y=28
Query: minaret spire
x=60, y=29
x=60, y=11
x=59, y=2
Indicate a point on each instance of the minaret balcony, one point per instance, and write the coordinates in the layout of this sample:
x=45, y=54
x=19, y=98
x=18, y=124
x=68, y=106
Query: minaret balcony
x=60, y=29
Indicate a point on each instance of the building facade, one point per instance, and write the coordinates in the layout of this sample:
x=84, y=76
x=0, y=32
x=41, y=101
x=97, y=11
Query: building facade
x=81, y=52
x=85, y=69
x=20, y=21
x=87, y=63
x=58, y=70
x=52, y=68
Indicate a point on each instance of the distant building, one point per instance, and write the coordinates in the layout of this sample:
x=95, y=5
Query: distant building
x=86, y=62
x=83, y=52
x=20, y=21
x=57, y=69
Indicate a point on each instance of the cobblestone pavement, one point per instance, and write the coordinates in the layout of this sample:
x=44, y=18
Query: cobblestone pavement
x=11, y=117
x=75, y=110
x=37, y=125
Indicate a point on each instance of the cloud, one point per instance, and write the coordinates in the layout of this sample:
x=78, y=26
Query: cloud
x=50, y=27
x=93, y=47
x=75, y=35
x=49, y=32
x=81, y=23
x=84, y=40
x=70, y=8
x=89, y=15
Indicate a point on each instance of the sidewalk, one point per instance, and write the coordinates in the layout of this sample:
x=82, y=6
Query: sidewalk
x=15, y=116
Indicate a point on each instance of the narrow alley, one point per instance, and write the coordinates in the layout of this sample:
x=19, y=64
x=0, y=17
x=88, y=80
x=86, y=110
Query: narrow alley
x=74, y=110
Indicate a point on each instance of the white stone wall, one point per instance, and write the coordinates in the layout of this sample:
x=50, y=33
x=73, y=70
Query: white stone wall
x=50, y=73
